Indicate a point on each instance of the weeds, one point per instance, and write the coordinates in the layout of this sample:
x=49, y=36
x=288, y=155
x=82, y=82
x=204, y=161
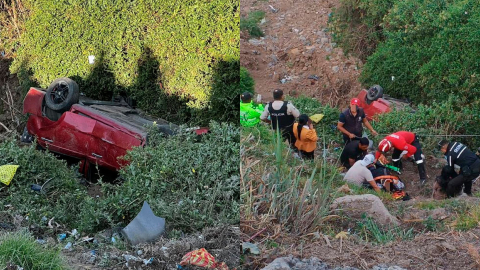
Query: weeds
x=20, y=248
x=250, y=23
x=372, y=232
x=280, y=190
x=468, y=219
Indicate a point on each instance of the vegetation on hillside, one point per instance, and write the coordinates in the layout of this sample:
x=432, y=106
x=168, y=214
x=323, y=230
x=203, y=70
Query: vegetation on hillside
x=179, y=59
x=192, y=182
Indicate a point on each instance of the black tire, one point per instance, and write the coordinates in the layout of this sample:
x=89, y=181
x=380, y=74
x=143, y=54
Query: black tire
x=375, y=92
x=62, y=94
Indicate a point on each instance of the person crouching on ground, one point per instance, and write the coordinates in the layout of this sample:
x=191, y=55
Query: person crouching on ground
x=306, y=136
x=354, y=151
x=249, y=111
x=360, y=175
x=458, y=154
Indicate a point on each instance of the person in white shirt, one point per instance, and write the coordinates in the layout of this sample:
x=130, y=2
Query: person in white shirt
x=360, y=175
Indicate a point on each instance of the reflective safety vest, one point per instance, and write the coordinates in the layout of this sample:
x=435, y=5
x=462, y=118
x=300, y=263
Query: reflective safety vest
x=250, y=114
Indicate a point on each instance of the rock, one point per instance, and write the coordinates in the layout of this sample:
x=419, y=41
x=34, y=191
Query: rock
x=385, y=267
x=294, y=52
x=276, y=77
x=324, y=40
x=279, y=264
x=344, y=189
x=256, y=42
x=355, y=206
x=335, y=69
x=439, y=213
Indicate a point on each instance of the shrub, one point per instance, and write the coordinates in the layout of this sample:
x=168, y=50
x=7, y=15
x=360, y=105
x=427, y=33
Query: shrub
x=247, y=84
x=188, y=39
x=191, y=183
x=250, y=23
x=63, y=195
x=356, y=25
x=424, y=53
x=19, y=248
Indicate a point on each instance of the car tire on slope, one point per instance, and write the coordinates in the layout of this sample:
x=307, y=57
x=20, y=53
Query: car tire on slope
x=62, y=94
x=375, y=92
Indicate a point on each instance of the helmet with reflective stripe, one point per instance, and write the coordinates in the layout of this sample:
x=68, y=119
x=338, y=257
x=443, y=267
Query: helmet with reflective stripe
x=384, y=146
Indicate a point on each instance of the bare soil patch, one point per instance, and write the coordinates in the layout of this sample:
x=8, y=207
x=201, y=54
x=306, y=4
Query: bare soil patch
x=298, y=48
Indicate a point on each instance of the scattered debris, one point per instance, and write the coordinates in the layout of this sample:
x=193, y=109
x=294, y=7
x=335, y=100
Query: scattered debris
x=274, y=10
x=201, y=257
x=7, y=172
x=145, y=227
x=252, y=248
x=68, y=246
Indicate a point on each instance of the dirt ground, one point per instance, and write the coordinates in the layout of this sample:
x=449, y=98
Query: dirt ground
x=298, y=48
x=10, y=101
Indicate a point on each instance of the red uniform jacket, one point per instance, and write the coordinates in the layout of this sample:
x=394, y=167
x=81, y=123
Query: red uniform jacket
x=402, y=141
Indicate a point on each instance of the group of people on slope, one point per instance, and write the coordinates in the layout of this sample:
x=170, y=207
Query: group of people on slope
x=363, y=169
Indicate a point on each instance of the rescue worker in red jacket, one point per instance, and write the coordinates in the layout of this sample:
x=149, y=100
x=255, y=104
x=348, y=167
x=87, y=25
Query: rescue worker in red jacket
x=405, y=144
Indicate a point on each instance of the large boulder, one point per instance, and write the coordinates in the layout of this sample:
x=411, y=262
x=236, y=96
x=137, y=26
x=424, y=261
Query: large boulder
x=355, y=206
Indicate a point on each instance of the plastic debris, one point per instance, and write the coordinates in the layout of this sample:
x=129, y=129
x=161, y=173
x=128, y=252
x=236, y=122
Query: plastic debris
x=44, y=218
x=144, y=227
x=113, y=239
x=62, y=236
x=252, y=248
x=317, y=117
x=41, y=241
x=36, y=187
x=69, y=245
x=201, y=257
x=74, y=232
x=7, y=172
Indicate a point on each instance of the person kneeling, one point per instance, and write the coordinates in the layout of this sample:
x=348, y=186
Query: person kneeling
x=306, y=136
x=360, y=175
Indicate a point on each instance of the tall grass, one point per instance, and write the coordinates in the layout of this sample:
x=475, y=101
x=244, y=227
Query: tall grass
x=371, y=232
x=20, y=249
x=295, y=194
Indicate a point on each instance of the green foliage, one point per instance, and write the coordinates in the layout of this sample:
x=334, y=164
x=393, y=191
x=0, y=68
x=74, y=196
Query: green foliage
x=356, y=25
x=430, y=49
x=189, y=41
x=372, y=232
x=247, y=84
x=191, y=183
x=327, y=127
x=19, y=248
x=296, y=194
x=250, y=23
x=442, y=118
x=63, y=195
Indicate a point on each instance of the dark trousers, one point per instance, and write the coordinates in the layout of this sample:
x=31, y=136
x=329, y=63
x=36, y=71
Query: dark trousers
x=287, y=134
x=452, y=184
x=307, y=155
x=397, y=162
x=347, y=139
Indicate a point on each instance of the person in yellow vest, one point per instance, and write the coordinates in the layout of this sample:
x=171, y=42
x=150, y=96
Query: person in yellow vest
x=306, y=136
x=249, y=111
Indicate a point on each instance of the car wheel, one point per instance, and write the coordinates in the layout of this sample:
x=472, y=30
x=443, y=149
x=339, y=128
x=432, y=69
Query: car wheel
x=375, y=92
x=62, y=94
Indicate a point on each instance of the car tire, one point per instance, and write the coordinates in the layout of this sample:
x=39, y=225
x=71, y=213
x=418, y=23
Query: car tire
x=375, y=92
x=62, y=94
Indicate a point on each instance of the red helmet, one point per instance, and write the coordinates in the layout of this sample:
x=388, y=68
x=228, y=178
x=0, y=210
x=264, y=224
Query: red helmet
x=384, y=146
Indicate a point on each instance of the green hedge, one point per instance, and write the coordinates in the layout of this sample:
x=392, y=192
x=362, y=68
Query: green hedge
x=189, y=40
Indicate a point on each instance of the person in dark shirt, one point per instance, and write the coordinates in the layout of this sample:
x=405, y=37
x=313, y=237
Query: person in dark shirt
x=353, y=151
x=351, y=120
x=458, y=154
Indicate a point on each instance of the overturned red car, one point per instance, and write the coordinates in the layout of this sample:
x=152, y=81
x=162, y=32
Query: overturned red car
x=92, y=131
x=374, y=102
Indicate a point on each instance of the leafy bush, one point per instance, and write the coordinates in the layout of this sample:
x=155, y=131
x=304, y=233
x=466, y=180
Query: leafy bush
x=250, y=23
x=191, y=183
x=328, y=125
x=188, y=39
x=63, y=195
x=430, y=50
x=20, y=249
x=442, y=118
x=247, y=84
x=356, y=25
